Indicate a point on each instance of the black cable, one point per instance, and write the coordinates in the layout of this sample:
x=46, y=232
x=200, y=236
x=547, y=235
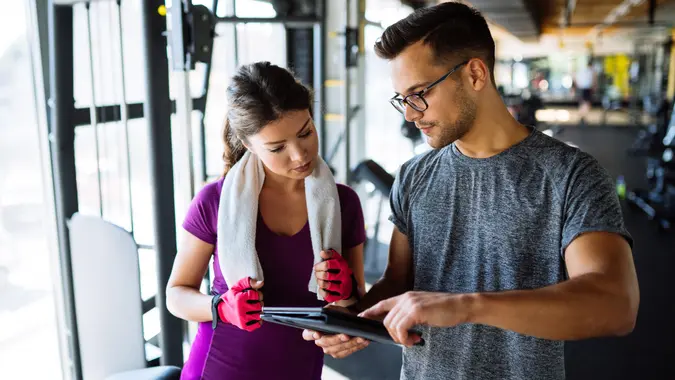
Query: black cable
x=93, y=112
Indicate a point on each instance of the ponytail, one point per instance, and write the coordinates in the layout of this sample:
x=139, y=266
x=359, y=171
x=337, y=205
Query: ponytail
x=234, y=148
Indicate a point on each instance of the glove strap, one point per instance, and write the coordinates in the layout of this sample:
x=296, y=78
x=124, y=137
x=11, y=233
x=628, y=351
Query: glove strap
x=215, y=301
x=355, y=289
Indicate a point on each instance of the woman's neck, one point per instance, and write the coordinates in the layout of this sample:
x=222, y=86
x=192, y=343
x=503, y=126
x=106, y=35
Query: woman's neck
x=281, y=183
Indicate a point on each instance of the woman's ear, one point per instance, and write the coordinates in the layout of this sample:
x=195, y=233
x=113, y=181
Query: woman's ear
x=246, y=145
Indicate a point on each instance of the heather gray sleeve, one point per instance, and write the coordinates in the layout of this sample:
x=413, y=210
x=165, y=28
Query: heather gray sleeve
x=398, y=202
x=591, y=202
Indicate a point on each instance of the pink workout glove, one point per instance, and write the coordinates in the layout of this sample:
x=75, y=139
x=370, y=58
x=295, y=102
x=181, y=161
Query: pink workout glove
x=334, y=276
x=241, y=305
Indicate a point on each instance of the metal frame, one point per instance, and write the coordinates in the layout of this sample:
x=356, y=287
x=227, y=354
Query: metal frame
x=38, y=16
x=320, y=73
x=62, y=139
x=652, y=11
x=318, y=25
x=292, y=21
x=64, y=118
x=349, y=113
x=352, y=66
x=112, y=113
x=157, y=110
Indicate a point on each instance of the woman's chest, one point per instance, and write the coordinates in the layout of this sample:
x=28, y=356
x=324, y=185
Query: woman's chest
x=288, y=264
x=284, y=215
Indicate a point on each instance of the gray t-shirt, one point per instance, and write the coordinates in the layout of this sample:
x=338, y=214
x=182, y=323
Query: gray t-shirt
x=493, y=224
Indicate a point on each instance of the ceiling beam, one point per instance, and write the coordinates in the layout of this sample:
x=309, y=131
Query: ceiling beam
x=652, y=11
x=569, y=11
x=516, y=16
x=626, y=24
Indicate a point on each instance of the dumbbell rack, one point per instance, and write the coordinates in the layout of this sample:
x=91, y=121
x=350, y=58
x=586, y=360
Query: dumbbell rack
x=659, y=202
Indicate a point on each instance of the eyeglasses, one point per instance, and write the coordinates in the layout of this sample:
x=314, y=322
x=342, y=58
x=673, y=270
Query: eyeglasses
x=416, y=99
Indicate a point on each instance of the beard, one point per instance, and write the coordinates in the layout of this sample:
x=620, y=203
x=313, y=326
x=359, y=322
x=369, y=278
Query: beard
x=450, y=132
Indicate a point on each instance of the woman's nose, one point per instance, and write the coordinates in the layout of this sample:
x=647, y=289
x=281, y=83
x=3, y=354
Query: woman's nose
x=298, y=153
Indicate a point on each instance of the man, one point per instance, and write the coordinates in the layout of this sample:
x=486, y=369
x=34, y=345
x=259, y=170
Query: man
x=507, y=242
x=585, y=81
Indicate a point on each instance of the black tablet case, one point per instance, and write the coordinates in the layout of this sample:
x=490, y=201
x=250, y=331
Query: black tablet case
x=328, y=321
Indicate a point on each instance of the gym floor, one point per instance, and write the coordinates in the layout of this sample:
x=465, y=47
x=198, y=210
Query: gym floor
x=647, y=353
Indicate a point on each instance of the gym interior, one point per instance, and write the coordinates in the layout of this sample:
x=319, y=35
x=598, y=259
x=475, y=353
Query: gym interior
x=111, y=116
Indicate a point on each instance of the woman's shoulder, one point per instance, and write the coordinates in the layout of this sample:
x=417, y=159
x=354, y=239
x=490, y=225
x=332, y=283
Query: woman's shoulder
x=348, y=197
x=202, y=215
x=210, y=193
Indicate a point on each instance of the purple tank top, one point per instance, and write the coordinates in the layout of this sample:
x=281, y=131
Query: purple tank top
x=272, y=351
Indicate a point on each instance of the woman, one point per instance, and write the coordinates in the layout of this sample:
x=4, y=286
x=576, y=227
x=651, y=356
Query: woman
x=270, y=116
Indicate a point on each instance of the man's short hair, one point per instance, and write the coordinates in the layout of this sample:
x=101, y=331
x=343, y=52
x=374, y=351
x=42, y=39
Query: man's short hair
x=455, y=32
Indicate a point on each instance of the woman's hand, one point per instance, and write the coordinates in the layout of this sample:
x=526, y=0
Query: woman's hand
x=336, y=345
x=242, y=304
x=335, y=278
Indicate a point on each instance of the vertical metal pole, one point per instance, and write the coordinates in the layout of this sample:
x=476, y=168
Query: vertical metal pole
x=202, y=125
x=62, y=139
x=93, y=115
x=320, y=74
x=42, y=19
x=236, y=35
x=360, y=131
x=652, y=11
x=157, y=110
x=181, y=131
x=124, y=115
x=348, y=97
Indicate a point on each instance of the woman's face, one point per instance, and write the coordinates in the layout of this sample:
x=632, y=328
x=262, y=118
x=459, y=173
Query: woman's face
x=289, y=146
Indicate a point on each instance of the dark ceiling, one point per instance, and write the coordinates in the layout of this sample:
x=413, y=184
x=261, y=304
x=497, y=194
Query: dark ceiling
x=528, y=19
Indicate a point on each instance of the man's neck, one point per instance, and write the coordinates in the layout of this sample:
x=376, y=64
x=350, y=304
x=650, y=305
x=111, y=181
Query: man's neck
x=492, y=133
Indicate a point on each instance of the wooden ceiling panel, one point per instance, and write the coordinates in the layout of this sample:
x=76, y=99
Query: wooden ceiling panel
x=593, y=11
x=642, y=10
x=588, y=13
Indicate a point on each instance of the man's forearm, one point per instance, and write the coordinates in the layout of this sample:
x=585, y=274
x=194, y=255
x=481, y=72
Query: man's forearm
x=575, y=309
x=384, y=288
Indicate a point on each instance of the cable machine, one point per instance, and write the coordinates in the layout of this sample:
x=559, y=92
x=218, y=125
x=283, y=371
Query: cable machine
x=177, y=155
x=157, y=108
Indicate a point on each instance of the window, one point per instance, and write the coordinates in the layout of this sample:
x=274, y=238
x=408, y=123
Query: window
x=28, y=323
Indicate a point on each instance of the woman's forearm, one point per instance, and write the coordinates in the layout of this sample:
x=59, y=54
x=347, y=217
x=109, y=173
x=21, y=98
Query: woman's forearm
x=189, y=303
x=383, y=289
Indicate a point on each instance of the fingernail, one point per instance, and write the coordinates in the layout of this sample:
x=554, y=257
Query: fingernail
x=344, y=338
x=316, y=336
x=360, y=340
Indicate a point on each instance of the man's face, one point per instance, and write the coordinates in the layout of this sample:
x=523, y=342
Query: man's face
x=451, y=111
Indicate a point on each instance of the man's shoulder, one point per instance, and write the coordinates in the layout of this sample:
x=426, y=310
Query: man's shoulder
x=419, y=163
x=554, y=156
x=564, y=166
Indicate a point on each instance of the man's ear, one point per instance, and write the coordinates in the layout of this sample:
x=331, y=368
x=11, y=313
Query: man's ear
x=479, y=74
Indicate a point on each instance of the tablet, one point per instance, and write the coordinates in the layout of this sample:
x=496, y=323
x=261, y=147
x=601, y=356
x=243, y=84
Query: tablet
x=329, y=321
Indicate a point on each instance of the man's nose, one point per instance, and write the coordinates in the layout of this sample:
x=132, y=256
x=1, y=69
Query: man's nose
x=411, y=114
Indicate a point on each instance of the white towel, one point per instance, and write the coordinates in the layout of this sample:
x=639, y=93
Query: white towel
x=238, y=213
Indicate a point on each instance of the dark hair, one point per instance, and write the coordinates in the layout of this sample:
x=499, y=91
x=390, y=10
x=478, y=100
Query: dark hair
x=453, y=30
x=258, y=94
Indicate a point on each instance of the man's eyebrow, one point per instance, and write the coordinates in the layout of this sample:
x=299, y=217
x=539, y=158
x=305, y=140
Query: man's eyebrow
x=300, y=131
x=416, y=85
